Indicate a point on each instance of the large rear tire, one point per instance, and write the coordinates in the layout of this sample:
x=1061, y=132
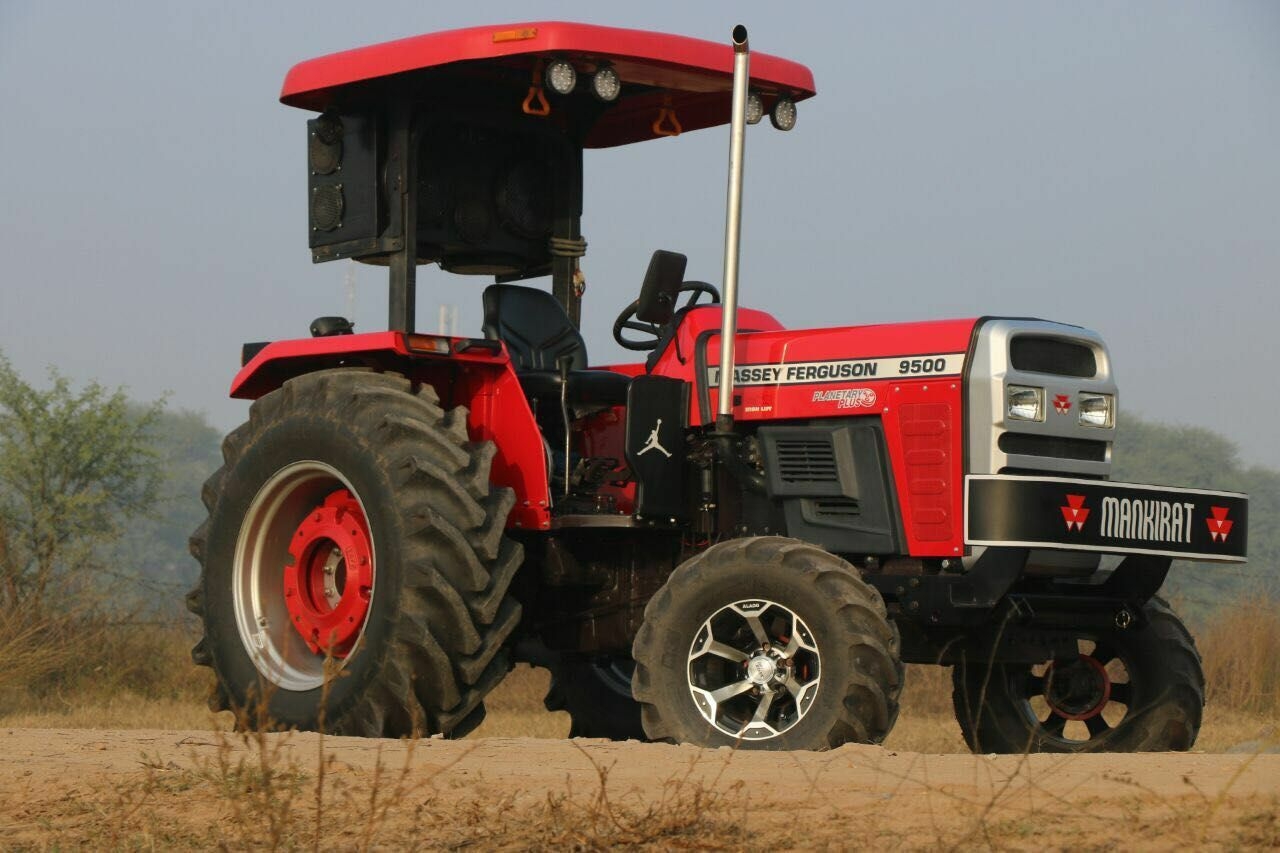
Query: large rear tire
x=767, y=643
x=354, y=568
x=1135, y=690
x=596, y=693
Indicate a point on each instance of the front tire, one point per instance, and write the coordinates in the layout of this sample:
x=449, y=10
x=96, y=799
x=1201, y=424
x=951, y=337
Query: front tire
x=1135, y=690
x=767, y=643
x=354, y=569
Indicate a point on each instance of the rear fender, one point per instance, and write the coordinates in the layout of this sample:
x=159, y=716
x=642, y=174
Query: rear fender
x=469, y=372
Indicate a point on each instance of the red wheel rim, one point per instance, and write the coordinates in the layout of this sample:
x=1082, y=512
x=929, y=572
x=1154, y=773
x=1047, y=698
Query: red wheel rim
x=328, y=583
x=1100, y=672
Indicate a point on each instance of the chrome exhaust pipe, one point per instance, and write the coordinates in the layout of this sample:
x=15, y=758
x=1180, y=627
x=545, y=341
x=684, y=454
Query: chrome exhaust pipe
x=733, y=227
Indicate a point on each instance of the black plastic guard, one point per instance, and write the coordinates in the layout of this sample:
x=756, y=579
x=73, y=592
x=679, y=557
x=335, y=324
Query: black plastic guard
x=848, y=507
x=657, y=412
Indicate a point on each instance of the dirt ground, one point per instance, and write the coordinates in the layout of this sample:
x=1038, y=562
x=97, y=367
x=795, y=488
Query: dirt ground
x=148, y=789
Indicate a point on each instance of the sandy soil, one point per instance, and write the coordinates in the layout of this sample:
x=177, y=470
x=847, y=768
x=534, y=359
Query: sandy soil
x=148, y=788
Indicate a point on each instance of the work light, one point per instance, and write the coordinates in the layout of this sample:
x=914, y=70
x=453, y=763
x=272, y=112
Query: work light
x=783, y=114
x=561, y=77
x=605, y=84
x=755, y=108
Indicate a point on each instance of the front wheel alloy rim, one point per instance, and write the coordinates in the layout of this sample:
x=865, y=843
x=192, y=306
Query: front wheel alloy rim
x=753, y=669
x=303, y=576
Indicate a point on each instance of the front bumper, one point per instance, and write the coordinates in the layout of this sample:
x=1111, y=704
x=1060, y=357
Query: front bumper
x=1068, y=514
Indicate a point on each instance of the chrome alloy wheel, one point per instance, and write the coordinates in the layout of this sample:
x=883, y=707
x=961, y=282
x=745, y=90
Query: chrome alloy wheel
x=753, y=669
x=304, y=564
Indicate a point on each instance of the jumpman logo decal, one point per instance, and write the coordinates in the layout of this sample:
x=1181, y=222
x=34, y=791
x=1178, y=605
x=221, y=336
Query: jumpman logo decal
x=653, y=443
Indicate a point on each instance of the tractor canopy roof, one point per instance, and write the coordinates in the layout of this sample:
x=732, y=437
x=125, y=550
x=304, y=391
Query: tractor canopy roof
x=667, y=81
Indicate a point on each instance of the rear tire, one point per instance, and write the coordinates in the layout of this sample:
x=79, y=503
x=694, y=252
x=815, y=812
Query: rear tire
x=418, y=649
x=767, y=643
x=596, y=693
x=1136, y=690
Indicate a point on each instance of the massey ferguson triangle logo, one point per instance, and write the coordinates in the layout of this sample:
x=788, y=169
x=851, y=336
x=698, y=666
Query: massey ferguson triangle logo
x=1219, y=525
x=1062, y=405
x=1075, y=513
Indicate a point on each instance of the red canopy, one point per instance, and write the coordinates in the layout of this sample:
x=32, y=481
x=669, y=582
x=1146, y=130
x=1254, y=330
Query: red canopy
x=691, y=76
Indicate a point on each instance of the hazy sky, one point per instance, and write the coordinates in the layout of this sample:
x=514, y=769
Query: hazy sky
x=1113, y=165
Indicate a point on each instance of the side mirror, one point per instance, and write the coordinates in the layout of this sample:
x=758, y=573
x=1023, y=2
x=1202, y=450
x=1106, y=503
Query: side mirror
x=662, y=282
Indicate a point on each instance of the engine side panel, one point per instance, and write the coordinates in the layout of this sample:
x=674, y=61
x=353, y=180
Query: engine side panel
x=909, y=376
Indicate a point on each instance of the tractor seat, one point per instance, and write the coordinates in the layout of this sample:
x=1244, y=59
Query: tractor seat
x=538, y=333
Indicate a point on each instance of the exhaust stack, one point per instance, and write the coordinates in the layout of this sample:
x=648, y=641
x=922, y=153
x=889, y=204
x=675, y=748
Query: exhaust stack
x=733, y=227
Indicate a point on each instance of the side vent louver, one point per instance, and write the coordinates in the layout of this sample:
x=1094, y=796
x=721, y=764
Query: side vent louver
x=836, y=508
x=807, y=461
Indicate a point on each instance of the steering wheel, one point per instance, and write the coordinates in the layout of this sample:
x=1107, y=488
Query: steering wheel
x=626, y=320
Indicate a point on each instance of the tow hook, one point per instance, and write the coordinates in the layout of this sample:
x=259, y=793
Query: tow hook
x=1124, y=618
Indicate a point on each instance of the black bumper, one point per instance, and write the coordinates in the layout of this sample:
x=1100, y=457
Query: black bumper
x=1113, y=518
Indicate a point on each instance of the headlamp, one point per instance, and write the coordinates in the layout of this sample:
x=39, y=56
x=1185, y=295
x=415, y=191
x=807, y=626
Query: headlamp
x=1024, y=403
x=1097, y=410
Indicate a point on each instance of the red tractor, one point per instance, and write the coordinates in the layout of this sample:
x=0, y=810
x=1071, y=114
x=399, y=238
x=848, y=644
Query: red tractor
x=738, y=540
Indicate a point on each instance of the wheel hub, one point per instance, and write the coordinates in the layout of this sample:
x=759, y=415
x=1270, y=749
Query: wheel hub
x=761, y=669
x=1078, y=689
x=329, y=578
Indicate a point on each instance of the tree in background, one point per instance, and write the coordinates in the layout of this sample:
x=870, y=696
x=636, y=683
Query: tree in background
x=76, y=469
x=153, y=551
x=1175, y=454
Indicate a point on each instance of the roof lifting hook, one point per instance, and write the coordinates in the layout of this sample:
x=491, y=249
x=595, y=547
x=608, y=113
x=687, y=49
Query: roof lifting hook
x=666, y=124
x=535, y=103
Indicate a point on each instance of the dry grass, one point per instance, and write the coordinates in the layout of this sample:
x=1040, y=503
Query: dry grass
x=515, y=708
x=276, y=791
x=83, y=672
x=1241, y=664
x=35, y=647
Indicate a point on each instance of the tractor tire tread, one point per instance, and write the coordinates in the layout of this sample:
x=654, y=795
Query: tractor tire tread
x=445, y=650
x=871, y=636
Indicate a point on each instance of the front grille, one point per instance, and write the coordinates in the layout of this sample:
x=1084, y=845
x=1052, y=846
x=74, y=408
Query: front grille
x=806, y=461
x=1052, y=355
x=1045, y=472
x=1054, y=447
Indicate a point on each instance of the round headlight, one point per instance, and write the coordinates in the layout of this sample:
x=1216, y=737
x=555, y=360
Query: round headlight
x=561, y=78
x=755, y=108
x=605, y=84
x=783, y=114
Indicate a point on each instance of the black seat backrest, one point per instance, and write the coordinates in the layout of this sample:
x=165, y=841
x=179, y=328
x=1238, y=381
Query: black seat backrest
x=534, y=327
